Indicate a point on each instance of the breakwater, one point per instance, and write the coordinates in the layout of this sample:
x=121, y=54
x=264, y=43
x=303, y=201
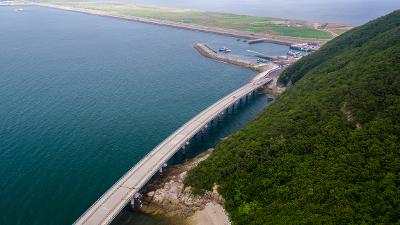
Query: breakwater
x=12, y=3
x=206, y=51
x=255, y=41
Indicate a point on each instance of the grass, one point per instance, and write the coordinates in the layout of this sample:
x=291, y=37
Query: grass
x=221, y=20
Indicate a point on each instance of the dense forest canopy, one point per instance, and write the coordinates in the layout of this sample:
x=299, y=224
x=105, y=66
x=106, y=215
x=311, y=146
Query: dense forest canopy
x=349, y=41
x=327, y=151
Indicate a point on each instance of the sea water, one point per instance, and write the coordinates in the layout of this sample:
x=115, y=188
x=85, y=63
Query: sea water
x=83, y=98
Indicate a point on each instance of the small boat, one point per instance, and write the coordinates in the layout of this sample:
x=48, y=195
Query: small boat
x=19, y=10
x=224, y=50
x=262, y=60
x=292, y=53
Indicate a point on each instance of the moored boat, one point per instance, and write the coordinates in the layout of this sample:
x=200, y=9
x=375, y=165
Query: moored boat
x=224, y=50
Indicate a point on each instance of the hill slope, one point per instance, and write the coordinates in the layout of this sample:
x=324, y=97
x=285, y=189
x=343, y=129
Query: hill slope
x=327, y=151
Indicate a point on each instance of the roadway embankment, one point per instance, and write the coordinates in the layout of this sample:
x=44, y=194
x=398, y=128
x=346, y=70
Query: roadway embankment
x=195, y=27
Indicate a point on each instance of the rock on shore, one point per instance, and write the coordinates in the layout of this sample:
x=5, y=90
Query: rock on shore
x=169, y=197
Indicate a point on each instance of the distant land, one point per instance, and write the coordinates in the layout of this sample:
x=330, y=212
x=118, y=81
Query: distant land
x=327, y=150
x=281, y=31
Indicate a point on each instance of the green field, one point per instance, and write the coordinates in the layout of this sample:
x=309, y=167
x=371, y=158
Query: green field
x=221, y=20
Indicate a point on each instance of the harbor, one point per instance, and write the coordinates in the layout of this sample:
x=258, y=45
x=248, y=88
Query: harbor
x=252, y=59
x=206, y=51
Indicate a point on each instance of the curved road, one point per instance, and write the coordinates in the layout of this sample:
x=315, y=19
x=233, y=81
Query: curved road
x=108, y=206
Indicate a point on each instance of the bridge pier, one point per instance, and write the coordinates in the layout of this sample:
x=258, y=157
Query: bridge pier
x=163, y=166
x=136, y=201
x=183, y=150
x=220, y=117
x=132, y=203
x=201, y=136
x=202, y=133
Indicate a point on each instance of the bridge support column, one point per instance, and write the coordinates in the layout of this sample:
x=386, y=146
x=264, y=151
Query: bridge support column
x=183, y=150
x=132, y=203
x=136, y=201
x=195, y=136
x=164, y=165
x=220, y=117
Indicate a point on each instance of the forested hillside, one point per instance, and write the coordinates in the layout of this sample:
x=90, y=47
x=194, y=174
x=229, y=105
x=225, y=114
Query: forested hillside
x=327, y=151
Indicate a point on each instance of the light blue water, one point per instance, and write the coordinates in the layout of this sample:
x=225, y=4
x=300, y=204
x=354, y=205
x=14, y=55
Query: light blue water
x=354, y=12
x=246, y=51
x=83, y=98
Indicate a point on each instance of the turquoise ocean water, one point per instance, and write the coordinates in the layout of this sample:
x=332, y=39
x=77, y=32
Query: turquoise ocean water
x=83, y=98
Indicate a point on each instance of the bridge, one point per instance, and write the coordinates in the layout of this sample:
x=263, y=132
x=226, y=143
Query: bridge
x=123, y=192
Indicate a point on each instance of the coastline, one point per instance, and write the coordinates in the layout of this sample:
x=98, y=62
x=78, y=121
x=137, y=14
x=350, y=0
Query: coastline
x=168, y=197
x=273, y=88
x=211, y=210
x=206, y=51
x=194, y=27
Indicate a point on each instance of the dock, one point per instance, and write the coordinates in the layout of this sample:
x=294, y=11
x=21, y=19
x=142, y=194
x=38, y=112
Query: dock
x=206, y=51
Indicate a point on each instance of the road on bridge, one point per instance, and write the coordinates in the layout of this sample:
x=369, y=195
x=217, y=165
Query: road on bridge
x=108, y=206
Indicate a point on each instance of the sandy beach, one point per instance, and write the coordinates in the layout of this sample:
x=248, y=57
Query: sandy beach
x=212, y=214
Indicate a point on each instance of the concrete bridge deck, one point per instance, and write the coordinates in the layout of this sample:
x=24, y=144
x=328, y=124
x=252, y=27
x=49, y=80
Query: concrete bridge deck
x=108, y=206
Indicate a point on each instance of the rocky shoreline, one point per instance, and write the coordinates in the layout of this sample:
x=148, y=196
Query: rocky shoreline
x=274, y=88
x=169, y=197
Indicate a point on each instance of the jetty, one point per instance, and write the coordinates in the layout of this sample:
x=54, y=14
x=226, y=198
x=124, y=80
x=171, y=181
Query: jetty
x=258, y=40
x=271, y=57
x=206, y=51
x=13, y=3
x=128, y=187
